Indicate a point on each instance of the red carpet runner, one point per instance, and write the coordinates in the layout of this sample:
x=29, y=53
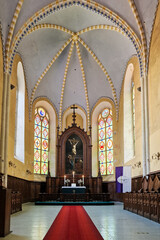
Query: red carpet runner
x=73, y=223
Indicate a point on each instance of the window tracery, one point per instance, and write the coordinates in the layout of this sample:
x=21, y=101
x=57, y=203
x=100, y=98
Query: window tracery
x=105, y=142
x=41, y=141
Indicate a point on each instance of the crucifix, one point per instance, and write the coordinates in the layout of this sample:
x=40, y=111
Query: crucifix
x=74, y=115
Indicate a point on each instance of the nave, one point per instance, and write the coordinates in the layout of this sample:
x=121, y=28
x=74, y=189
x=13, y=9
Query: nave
x=112, y=222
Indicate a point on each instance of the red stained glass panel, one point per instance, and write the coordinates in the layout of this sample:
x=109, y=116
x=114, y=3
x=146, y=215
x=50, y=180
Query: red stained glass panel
x=102, y=145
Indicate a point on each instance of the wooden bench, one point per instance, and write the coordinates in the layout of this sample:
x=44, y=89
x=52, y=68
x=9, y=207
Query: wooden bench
x=146, y=202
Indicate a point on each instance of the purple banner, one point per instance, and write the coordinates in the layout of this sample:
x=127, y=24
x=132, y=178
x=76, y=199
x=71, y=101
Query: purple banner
x=119, y=185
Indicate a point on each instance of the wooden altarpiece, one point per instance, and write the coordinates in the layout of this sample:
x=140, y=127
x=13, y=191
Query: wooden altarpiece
x=93, y=184
x=61, y=151
x=79, y=162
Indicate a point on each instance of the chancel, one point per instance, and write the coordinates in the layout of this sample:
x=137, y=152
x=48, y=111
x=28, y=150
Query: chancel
x=79, y=119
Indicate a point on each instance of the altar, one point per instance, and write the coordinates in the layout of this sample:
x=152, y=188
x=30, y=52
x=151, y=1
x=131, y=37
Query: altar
x=77, y=189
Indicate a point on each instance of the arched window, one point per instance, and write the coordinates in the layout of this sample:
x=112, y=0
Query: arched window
x=105, y=143
x=41, y=141
x=133, y=114
x=20, y=114
x=129, y=114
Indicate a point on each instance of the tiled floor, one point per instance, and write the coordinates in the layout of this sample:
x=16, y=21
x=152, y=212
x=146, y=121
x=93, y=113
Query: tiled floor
x=113, y=223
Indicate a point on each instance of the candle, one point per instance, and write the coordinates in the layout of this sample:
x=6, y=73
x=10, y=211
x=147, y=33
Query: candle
x=83, y=179
x=64, y=179
x=73, y=176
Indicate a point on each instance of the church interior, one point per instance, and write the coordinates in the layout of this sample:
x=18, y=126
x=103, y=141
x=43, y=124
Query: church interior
x=79, y=114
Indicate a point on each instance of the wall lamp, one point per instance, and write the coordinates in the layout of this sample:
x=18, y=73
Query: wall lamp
x=11, y=164
x=139, y=89
x=156, y=156
x=137, y=165
x=28, y=171
x=12, y=86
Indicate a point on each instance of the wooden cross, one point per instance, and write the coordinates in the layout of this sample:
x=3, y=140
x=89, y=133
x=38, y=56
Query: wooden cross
x=74, y=115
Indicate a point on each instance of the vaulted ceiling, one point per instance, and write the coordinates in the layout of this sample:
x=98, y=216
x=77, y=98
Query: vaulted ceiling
x=75, y=52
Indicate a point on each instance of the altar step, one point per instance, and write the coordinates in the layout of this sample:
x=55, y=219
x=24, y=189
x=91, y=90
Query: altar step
x=55, y=203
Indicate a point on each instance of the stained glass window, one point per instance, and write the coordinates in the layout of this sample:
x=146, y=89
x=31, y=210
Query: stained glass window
x=133, y=114
x=41, y=141
x=105, y=142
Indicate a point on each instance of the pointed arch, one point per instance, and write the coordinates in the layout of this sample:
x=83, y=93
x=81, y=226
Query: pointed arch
x=20, y=114
x=53, y=120
x=129, y=130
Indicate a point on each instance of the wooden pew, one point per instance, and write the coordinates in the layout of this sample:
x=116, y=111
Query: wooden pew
x=146, y=202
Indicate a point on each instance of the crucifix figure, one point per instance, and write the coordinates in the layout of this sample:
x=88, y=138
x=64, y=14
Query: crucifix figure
x=74, y=143
x=74, y=115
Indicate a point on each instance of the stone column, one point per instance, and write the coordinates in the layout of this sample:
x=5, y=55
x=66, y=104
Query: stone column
x=143, y=127
x=5, y=128
x=147, y=125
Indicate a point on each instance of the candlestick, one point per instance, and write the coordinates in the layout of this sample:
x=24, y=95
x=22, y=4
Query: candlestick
x=83, y=179
x=73, y=176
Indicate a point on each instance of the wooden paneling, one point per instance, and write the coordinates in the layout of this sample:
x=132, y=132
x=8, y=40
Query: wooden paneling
x=16, y=202
x=29, y=190
x=93, y=184
x=5, y=211
x=110, y=187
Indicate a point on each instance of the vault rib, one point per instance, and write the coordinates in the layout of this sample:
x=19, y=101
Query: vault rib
x=46, y=70
x=104, y=70
x=63, y=85
x=84, y=82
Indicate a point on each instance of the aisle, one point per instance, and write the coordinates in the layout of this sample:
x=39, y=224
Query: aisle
x=112, y=222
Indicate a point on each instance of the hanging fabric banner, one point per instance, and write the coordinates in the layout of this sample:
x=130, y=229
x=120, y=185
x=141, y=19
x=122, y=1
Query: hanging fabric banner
x=123, y=179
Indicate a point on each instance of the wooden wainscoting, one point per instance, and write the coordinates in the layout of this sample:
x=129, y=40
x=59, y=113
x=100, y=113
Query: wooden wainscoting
x=29, y=190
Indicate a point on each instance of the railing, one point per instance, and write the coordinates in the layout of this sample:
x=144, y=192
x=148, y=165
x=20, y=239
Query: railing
x=74, y=197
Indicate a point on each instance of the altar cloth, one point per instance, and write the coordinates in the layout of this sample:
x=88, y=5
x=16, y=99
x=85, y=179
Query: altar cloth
x=70, y=189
